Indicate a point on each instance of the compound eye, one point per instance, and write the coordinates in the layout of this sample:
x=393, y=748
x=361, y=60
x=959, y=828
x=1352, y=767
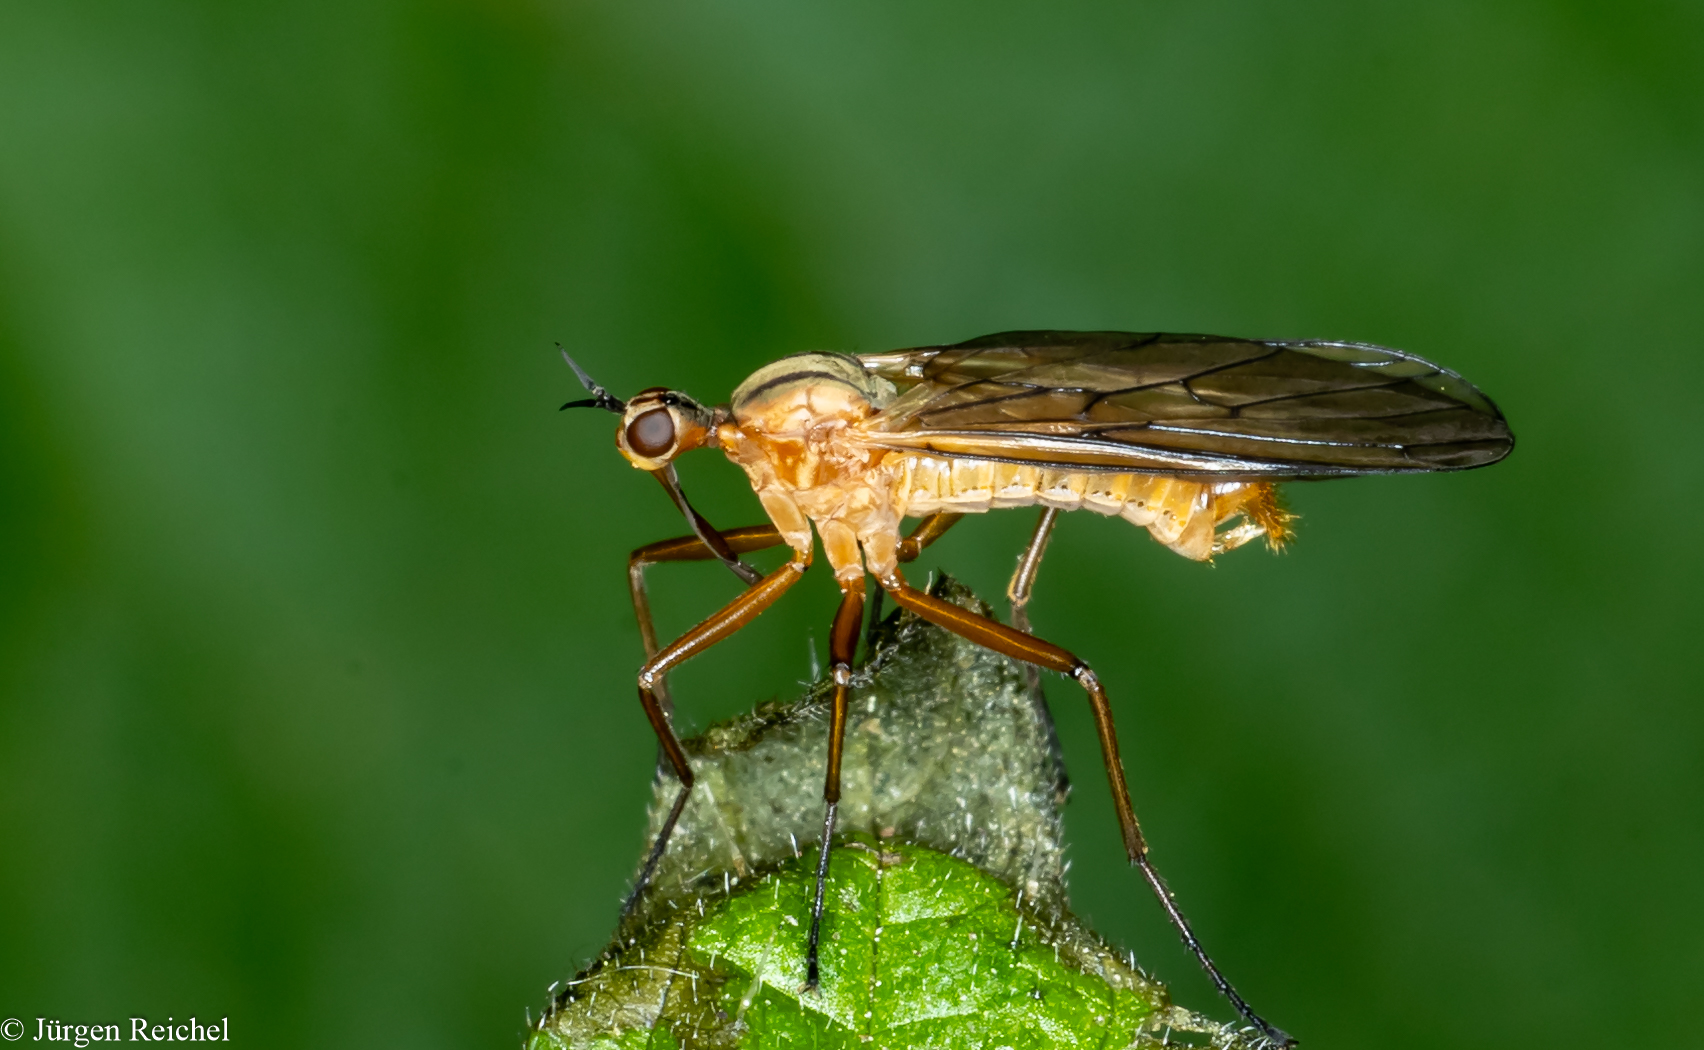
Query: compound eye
x=652, y=433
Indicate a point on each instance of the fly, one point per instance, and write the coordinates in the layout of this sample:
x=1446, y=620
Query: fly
x=1183, y=435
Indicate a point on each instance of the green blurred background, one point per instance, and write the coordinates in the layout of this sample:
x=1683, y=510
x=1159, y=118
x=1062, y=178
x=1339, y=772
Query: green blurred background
x=316, y=702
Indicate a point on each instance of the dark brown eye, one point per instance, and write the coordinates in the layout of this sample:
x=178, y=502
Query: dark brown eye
x=652, y=433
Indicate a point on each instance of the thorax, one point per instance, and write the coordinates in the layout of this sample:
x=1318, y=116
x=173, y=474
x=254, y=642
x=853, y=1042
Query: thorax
x=820, y=469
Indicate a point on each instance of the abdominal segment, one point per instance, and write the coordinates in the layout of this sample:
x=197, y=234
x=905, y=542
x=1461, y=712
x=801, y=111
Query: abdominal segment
x=1183, y=513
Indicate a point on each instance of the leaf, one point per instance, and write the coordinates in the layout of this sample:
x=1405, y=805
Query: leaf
x=946, y=921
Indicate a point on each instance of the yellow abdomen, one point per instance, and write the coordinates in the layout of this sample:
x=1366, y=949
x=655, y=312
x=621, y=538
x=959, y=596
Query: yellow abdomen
x=1182, y=513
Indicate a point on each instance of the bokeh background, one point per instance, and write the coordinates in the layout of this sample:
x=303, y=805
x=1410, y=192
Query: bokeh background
x=315, y=668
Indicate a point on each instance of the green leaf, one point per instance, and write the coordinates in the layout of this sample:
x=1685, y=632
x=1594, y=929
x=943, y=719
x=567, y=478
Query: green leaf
x=946, y=920
x=920, y=949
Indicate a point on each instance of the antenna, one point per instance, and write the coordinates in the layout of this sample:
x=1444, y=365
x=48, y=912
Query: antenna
x=600, y=398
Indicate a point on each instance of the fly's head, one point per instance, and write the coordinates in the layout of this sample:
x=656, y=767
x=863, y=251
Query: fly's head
x=656, y=426
x=659, y=424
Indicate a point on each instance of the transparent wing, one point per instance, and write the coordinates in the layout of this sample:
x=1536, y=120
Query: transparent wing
x=1186, y=404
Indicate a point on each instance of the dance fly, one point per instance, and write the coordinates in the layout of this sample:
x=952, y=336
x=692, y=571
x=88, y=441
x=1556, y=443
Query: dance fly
x=1186, y=436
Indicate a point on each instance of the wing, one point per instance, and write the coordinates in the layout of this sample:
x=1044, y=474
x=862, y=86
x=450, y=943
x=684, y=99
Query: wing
x=1186, y=404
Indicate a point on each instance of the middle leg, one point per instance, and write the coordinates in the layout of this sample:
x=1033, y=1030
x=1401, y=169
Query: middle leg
x=842, y=646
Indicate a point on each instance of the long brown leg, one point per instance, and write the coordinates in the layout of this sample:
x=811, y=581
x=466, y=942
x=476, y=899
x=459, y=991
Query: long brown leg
x=927, y=531
x=1020, y=646
x=1018, y=592
x=842, y=646
x=684, y=548
x=1029, y=564
x=730, y=618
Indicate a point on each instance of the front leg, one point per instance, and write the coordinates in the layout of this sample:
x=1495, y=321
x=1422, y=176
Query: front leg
x=730, y=618
x=684, y=548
